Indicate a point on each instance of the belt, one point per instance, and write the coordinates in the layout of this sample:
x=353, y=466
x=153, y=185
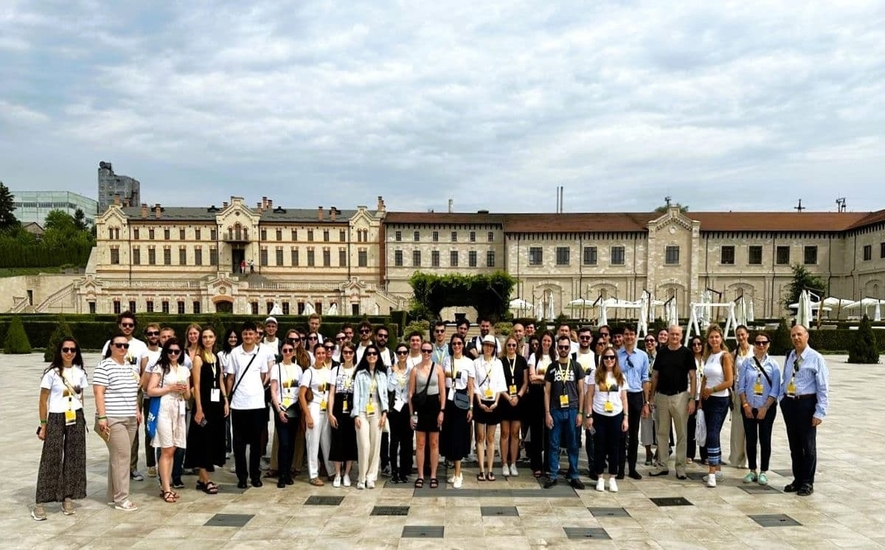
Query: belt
x=803, y=396
x=671, y=393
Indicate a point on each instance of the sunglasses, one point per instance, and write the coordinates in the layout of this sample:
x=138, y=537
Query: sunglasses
x=426, y=351
x=347, y=352
x=605, y=334
x=440, y=331
x=697, y=345
x=311, y=337
x=371, y=354
x=402, y=352
x=511, y=345
x=457, y=344
x=563, y=347
x=381, y=335
x=339, y=338
x=174, y=351
x=119, y=345
x=584, y=337
x=288, y=350
x=764, y=343
x=365, y=331
x=294, y=340
x=152, y=332
x=69, y=350
x=609, y=357
x=650, y=341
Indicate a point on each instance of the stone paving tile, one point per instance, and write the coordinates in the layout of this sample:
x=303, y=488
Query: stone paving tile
x=834, y=517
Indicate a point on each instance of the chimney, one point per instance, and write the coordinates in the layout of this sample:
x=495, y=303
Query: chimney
x=333, y=213
x=116, y=199
x=381, y=207
x=224, y=204
x=270, y=204
x=320, y=213
x=451, y=205
x=264, y=202
x=258, y=205
x=158, y=212
x=126, y=203
x=144, y=211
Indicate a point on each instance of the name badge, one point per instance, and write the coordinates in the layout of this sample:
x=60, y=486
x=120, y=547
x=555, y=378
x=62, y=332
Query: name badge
x=344, y=407
x=488, y=393
x=181, y=407
x=287, y=402
x=370, y=409
x=512, y=390
x=215, y=395
x=609, y=407
x=563, y=401
x=70, y=417
x=323, y=405
x=757, y=388
x=791, y=388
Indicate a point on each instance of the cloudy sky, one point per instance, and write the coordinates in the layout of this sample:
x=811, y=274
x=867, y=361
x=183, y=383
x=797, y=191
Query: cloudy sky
x=721, y=105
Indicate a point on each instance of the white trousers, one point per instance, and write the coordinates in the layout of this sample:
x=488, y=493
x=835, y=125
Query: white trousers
x=318, y=436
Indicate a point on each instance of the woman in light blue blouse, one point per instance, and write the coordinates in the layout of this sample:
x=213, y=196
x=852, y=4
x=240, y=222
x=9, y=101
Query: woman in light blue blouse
x=758, y=389
x=369, y=413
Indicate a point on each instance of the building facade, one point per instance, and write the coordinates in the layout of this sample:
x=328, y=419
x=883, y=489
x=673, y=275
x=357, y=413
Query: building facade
x=34, y=206
x=112, y=186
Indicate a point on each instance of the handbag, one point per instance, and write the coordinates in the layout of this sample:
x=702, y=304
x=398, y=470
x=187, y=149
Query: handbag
x=700, y=430
x=101, y=434
x=153, y=413
x=421, y=397
x=293, y=411
x=461, y=400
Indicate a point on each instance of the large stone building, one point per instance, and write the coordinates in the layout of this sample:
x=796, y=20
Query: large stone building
x=188, y=259
x=113, y=186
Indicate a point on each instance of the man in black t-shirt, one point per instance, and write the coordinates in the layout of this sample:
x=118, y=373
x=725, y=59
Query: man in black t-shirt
x=563, y=396
x=673, y=386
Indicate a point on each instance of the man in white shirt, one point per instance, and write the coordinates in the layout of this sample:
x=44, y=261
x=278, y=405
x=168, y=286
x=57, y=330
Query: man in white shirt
x=382, y=337
x=485, y=327
x=246, y=374
x=365, y=332
x=415, y=341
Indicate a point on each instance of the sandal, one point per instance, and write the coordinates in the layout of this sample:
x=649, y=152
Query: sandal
x=490, y=476
x=689, y=461
x=168, y=496
x=480, y=477
x=419, y=483
x=537, y=474
x=434, y=483
x=209, y=488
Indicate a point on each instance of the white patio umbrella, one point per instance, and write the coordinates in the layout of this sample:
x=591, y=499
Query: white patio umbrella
x=540, y=309
x=552, y=312
x=276, y=309
x=333, y=309
x=751, y=315
x=519, y=303
x=672, y=313
x=308, y=309
x=877, y=312
x=602, y=319
x=803, y=311
x=741, y=311
x=579, y=303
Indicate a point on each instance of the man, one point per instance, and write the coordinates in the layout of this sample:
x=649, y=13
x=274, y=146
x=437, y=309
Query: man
x=440, y=345
x=150, y=357
x=246, y=374
x=270, y=340
x=674, y=371
x=415, y=341
x=605, y=333
x=347, y=329
x=519, y=334
x=462, y=328
x=382, y=337
x=634, y=363
x=313, y=324
x=617, y=339
x=565, y=330
x=805, y=397
x=529, y=329
x=587, y=360
x=365, y=332
x=485, y=327
x=126, y=323
x=563, y=395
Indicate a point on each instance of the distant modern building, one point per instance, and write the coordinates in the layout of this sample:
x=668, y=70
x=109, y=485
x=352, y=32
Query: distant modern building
x=33, y=206
x=111, y=185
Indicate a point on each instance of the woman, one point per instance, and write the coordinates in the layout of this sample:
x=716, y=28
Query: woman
x=696, y=345
x=284, y=379
x=648, y=425
x=539, y=361
x=230, y=341
x=316, y=379
x=369, y=412
x=455, y=435
x=62, y=473
x=398, y=417
x=516, y=379
x=343, y=449
x=205, y=436
x=171, y=383
x=300, y=355
x=427, y=379
x=743, y=351
x=488, y=389
x=607, y=399
x=117, y=417
x=715, y=386
x=758, y=392
x=192, y=334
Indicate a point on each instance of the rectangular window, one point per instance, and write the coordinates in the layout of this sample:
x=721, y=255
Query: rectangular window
x=285, y=308
x=726, y=255
x=536, y=255
x=783, y=255
x=117, y=309
x=279, y=256
x=671, y=255
x=150, y=234
x=435, y=236
x=491, y=236
x=342, y=235
x=198, y=256
x=213, y=234
x=295, y=257
x=213, y=256
x=754, y=255
x=454, y=236
x=416, y=236
x=197, y=234
x=590, y=255
x=310, y=257
x=562, y=255
x=434, y=258
x=149, y=306
x=166, y=234
x=180, y=307
x=811, y=255
x=398, y=236
x=471, y=258
x=135, y=233
x=362, y=257
x=294, y=234
x=453, y=258
x=398, y=258
x=618, y=255
x=416, y=258
x=197, y=307
x=279, y=234
x=132, y=306
x=254, y=308
x=181, y=234
x=327, y=257
x=310, y=235
x=326, y=237
x=342, y=257
x=164, y=306
x=881, y=250
x=92, y=308
x=152, y=256
x=867, y=252
x=490, y=258
x=115, y=256
x=167, y=256
x=268, y=307
x=473, y=236
x=262, y=257
x=182, y=256
x=264, y=234
x=136, y=256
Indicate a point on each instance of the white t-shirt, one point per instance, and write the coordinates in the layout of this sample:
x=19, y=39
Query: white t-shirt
x=542, y=365
x=60, y=398
x=136, y=351
x=398, y=383
x=250, y=392
x=612, y=394
x=587, y=362
x=463, y=371
x=317, y=379
x=488, y=375
x=287, y=390
x=121, y=387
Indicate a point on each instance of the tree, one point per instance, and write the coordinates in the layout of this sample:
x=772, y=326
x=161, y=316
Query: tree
x=80, y=220
x=62, y=331
x=802, y=279
x=16, y=338
x=7, y=207
x=489, y=294
x=863, y=348
x=780, y=340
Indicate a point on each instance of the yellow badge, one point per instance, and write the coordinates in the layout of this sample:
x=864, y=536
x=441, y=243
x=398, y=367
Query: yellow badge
x=791, y=388
x=70, y=417
x=287, y=401
x=609, y=407
x=757, y=388
x=370, y=408
x=512, y=390
x=323, y=405
x=488, y=393
x=563, y=401
x=344, y=407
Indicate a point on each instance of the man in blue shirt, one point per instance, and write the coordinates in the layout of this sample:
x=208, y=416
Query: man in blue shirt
x=804, y=401
x=634, y=364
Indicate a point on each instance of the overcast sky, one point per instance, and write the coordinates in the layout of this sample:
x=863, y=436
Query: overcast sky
x=721, y=105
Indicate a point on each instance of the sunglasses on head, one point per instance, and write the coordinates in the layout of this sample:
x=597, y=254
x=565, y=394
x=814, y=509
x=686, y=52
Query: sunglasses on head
x=69, y=350
x=121, y=345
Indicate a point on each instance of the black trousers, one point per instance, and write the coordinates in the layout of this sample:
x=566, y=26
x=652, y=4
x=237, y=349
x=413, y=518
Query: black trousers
x=287, y=433
x=759, y=430
x=401, y=435
x=630, y=441
x=802, y=437
x=538, y=429
x=246, y=425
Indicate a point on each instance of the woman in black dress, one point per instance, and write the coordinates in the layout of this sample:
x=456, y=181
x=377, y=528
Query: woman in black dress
x=454, y=439
x=516, y=374
x=205, y=437
x=343, y=451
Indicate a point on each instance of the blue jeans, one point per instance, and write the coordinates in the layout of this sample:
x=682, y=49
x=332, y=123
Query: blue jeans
x=563, y=423
x=715, y=411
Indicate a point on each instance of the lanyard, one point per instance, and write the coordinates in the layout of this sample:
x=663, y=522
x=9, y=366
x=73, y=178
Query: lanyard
x=512, y=370
x=488, y=369
x=562, y=372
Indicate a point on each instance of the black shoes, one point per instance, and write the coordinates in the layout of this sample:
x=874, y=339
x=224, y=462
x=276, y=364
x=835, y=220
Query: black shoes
x=791, y=488
x=620, y=476
x=257, y=483
x=281, y=484
x=576, y=484
x=242, y=484
x=805, y=491
x=635, y=475
x=551, y=481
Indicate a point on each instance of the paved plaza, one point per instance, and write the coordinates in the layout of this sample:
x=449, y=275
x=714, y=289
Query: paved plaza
x=847, y=509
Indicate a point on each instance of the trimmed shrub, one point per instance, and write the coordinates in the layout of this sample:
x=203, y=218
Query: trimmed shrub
x=780, y=340
x=16, y=338
x=62, y=331
x=863, y=348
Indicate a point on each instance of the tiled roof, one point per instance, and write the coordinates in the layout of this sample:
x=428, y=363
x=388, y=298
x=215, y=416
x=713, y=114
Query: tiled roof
x=870, y=219
x=414, y=218
x=569, y=223
x=203, y=214
x=777, y=221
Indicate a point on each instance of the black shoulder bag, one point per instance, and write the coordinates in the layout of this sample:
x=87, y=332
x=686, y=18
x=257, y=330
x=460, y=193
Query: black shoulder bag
x=237, y=385
x=420, y=398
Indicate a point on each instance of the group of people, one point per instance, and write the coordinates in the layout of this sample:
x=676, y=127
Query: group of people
x=352, y=398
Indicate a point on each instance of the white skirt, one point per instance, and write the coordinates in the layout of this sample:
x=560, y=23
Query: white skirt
x=171, y=424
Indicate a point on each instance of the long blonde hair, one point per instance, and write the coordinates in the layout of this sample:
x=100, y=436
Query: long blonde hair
x=717, y=329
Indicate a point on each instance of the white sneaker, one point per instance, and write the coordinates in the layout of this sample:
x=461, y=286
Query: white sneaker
x=513, y=471
x=458, y=481
x=711, y=481
x=451, y=479
x=612, y=485
x=337, y=482
x=346, y=480
x=505, y=470
x=600, y=484
x=360, y=485
x=370, y=484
